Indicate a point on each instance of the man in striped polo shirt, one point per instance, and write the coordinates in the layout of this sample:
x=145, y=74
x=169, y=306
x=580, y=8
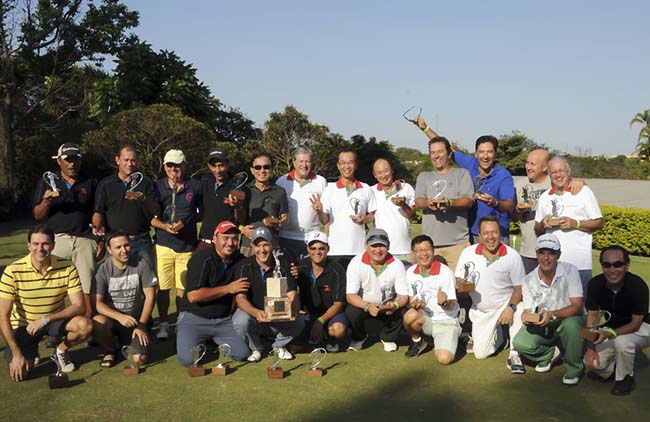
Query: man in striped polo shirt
x=32, y=294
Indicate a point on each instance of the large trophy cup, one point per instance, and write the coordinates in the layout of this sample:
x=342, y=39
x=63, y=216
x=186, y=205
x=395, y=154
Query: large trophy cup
x=50, y=180
x=470, y=278
x=557, y=208
x=135, y=180
x=58, y=380
x=131, y=367
x=238, y=182
x=277, y=304
x=275, y=372
x=317, y=357
x=198, y=352
x=534, y=316
x=221, y=368
x=437, y=190
x=170, y=216
x=590, y=333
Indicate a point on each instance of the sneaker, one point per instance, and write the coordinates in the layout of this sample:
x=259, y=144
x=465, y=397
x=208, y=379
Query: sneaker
x=283, y=353
x=515, y=364
x=415, y=348
x=332, y=347
x=356, y=345
x=389, y=346
x=256, y=356
x=469, y=345
x=63, y=358
x=163, y=331
x=570, y=381
x=623, y=387
x=548, y=366
x=37, y=359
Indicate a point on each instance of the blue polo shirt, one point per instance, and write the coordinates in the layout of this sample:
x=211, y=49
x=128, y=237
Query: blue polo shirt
x=498, y=183
x=187, y=200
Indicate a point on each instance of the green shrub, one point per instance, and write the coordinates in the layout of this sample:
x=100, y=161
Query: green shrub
x=628, y=227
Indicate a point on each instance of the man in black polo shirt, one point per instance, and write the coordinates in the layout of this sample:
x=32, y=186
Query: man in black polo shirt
x=205, y=309
x=175, y=231
x=625, y=296
x=216, y=203
x=250, y=320
x=68, y=212
x=266, y=204
x=131, y=214
x=322, y=294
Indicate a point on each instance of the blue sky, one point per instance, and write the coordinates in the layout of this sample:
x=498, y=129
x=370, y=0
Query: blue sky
x=570, y=74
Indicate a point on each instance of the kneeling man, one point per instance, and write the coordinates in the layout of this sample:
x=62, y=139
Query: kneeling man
x=434, y=309
x=552, y=292
x=125, y=296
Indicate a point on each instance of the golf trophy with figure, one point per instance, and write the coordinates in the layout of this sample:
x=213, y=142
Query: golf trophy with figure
x=277, y=304
x=50, y=181
x=131, y=367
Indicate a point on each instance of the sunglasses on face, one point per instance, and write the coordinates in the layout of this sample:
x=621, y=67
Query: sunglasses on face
x=265, y=167
x=617, y=264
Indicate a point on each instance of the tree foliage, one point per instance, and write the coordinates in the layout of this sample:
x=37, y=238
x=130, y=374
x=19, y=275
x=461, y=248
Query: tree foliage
x=513, y=150
x=643, y=140
x=368, y=151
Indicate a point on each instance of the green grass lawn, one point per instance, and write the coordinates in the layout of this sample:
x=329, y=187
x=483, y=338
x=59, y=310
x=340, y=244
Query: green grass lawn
x=366, y=385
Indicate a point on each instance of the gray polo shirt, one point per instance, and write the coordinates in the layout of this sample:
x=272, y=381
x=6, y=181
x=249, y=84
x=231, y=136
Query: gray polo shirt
x=123, y=289
x=445, y=227
x=527, y=218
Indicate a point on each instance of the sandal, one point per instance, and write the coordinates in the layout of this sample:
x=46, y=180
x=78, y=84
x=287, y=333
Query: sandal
x=108, y=361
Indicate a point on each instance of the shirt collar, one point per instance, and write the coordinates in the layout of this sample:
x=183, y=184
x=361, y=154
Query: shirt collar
x=340, y=185
x=365, y=258
x=502, y=251
x=292, y=175
x=433, y=270
x=398, y=186
x=566, y=189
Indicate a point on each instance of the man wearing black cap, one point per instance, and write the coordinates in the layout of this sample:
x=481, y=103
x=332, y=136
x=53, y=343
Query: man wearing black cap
x=217, y=204
x=206, y=307
x=377, y=292
x=68, y=211
x=250, y=320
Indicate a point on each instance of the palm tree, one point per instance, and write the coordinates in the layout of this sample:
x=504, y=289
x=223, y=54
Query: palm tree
x=643, y=143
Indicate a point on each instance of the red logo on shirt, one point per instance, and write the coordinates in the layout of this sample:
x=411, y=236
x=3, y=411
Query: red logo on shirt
x=189, y=196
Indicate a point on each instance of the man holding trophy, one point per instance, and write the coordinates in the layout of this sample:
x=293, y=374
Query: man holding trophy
x=572, y=218
x=269, y=307
x=552, y=296
x=176, y=235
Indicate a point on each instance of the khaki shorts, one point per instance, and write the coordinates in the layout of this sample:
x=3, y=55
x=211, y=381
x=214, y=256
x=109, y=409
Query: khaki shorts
x=451, y=253
x=81, y=251
x=445, y=333
x=171, y=267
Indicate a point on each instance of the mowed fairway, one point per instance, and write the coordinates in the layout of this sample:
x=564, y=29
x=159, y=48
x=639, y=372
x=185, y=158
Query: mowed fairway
x=366, y=385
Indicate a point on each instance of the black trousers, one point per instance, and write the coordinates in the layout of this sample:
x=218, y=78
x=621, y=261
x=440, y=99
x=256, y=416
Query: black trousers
x=386, y=327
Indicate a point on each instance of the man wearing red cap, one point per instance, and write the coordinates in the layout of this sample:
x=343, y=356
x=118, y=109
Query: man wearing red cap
x=205, y=311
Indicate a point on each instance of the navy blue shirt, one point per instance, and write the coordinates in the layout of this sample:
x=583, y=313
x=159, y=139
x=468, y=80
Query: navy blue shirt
x=318, y=294
x=257, y=277
x=214, y=204
x=187, y=201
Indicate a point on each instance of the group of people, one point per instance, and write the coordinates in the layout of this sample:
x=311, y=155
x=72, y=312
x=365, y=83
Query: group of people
x=353, y=272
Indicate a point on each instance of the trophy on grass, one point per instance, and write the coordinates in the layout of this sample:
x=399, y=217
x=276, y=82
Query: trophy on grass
x=277, y=304
x=131, y=368
x=479, y=184
x=557, y=208
x=272, y=209
x=317, y=357
x=50, y=181
x=437, y=190
x=221, y=368
x=58, y=380
x=535, y=315
x=170, y=216
x=238, y=182
x=275, y=372
x=528, y=202
x=198, y=352
x=470, y=278
x=135, y=180
x=590, y=332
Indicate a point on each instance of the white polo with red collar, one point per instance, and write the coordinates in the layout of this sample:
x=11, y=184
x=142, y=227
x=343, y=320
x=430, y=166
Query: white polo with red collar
x=345, y=236
x=302, y=217
x=391, y=217
x=376, y=286
x=498, y=278
x=426, y=286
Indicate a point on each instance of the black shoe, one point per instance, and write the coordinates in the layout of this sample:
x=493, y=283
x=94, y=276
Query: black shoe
x=595, y=377
x=415, y=348
x=623, y=387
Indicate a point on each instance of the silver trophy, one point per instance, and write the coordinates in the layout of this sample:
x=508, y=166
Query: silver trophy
x=170, y=215
x=50, y=180
x=132, y=368
x=134, y=181
x=317, y=357
x=387, y=294
x=470, y=277
x=528, y=202
x=222, y=367
x=591, y=332
x=198, y=352
x=238, y=182
x=438, y=189
x=355, y=204
x=557, y=209
x=535, y=316
x=58, y=380
x=275, y=372
x=277, y=254
x=479, y=183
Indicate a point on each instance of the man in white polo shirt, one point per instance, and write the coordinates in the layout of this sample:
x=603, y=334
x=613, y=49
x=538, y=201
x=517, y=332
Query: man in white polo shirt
x=554, y=293
x=302, y=186
x=395, y=201
x=345, y=208
x=376, y=292
x=434, y=309
x=497, y=288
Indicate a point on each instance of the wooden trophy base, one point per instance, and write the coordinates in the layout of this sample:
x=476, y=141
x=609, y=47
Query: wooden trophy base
x=58, y=381
x=278, y=309
x=276, y=373
x=589, y=334
x=316, y=372
x=238, y=194
x=134, y=196
x=177, y=226
x=220, y=370
x=54, y=193
x=132, y=370
x=196, y=371
x=532, y=317
x=270, y=221
x=467, y=287
x=524, y=207
x=439, y=202
x=554, y=222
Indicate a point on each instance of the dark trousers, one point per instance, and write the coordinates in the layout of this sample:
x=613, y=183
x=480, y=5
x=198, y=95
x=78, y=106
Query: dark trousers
x=386, y=327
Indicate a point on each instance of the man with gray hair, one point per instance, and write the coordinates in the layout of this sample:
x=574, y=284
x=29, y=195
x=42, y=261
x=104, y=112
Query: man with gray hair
x=303, y=186
x=572, y=218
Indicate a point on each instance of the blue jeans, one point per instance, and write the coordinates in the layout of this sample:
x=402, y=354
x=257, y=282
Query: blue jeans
x=144, y=249
x=585, y=276
x=193, y=330
x=251, y=330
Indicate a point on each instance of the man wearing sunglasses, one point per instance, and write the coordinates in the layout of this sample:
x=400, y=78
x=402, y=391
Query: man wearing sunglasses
x=625, y=296
x=68, y=212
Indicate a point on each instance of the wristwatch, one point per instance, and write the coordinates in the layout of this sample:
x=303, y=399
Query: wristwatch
x=513, y=307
